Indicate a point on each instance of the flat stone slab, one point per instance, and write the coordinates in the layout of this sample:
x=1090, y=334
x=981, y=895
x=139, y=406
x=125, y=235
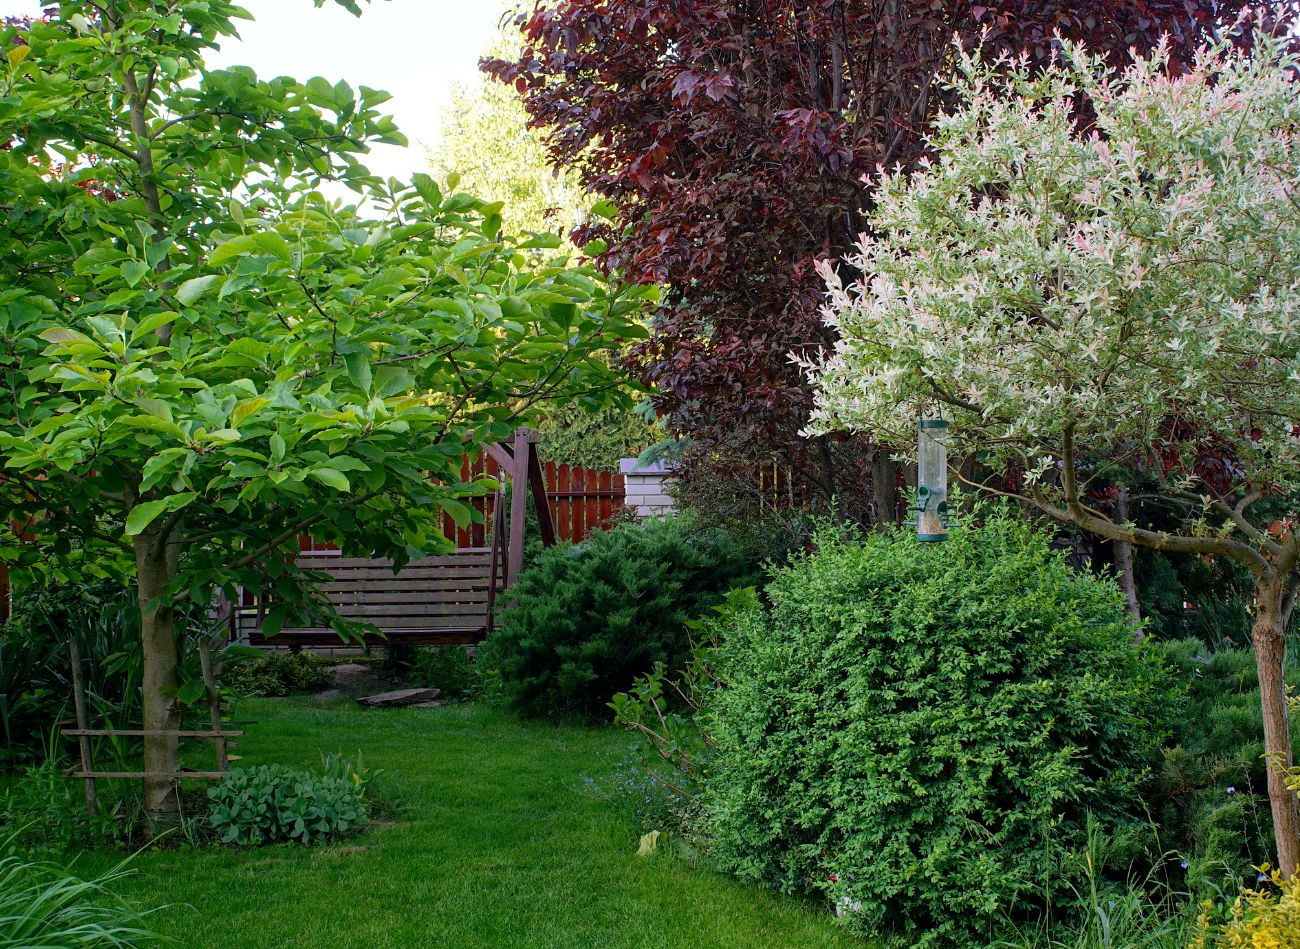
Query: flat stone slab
x=399, y=697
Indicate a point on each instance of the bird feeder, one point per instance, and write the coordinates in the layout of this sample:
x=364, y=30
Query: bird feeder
x=932, y=480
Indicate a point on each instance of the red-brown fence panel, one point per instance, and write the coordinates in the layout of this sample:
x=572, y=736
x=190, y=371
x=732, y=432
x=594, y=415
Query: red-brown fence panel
x=582, y=500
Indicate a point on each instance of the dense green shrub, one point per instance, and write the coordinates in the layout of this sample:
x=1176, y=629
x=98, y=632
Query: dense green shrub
x=275, y=674
x=36, y=668
x=43, y=813
x=271, y=803
x=586, y=620
x=920, y=731
x=45, y=906
x=669, y=712
x=450, y=669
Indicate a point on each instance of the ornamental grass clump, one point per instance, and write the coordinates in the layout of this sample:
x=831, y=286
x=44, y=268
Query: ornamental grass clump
x=919, y=732
x=42, y=905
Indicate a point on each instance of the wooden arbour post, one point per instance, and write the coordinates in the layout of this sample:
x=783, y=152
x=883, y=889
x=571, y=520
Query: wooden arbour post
x=519, y=460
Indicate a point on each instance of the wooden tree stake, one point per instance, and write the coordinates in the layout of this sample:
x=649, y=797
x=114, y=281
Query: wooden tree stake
x=83, y=741
x=214, y=702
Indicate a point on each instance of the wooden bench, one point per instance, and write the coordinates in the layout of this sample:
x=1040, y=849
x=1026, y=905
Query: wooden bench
x=437, y=600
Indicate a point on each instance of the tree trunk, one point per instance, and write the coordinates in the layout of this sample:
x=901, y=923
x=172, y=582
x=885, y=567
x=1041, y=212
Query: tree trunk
x=884, y=486
x=1124, y=561
x=159, y=680
x=1269, y=638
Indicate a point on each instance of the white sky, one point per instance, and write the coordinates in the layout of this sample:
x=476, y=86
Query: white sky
x=415, y=49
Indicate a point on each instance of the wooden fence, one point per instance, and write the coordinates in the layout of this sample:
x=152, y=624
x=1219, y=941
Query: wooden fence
x=582, y=501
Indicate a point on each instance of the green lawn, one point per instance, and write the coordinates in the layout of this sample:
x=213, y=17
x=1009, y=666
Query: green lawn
x=495, y=840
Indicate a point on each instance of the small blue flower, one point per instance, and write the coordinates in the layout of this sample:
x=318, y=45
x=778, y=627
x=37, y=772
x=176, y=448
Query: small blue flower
x=1183, y=864
x=1262, y=878
x=1231, y=789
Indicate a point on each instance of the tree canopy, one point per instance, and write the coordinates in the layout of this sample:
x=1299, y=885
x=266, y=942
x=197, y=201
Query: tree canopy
x=485, y=139
x=201, y=358
x=1081, y=300
x=733, y=138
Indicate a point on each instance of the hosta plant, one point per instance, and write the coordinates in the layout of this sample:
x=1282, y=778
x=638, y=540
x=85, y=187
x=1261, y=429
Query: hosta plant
x=271, y=803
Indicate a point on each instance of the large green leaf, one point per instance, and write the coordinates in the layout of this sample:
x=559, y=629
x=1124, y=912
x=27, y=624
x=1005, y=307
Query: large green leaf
x=144, y=514
x=359, y=370
x=192, y=289
x=331, y=477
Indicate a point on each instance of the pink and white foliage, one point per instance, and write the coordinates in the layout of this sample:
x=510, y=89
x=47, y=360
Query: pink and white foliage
x=1035, y=278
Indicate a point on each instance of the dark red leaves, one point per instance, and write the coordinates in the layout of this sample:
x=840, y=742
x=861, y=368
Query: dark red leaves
x=734, y=138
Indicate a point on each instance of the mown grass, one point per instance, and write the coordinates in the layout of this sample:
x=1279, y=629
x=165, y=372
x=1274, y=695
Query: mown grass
x=492, y=838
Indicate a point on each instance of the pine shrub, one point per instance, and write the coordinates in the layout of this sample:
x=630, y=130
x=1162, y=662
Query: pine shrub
x=920, y=731
x=587, y=619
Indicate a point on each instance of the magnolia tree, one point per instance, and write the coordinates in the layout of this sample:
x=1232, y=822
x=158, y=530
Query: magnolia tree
x=1087, y=289
x=201, y=359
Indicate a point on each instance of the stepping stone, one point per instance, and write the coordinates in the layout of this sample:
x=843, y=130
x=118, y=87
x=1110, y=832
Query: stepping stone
x=399, y=697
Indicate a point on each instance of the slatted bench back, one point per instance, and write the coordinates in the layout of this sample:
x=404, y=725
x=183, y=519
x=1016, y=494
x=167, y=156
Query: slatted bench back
x=444, y=599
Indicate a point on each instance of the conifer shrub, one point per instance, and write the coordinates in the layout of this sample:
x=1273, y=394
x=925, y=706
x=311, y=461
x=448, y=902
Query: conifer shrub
x=1210, y=796
x=586, y=620
x=920, y=732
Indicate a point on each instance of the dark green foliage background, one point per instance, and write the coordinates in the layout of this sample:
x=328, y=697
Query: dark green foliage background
x=1219, y=592
x=36, y=667
x=1210, y=796
x=574, y=435
x=275, y=674
x=450, y=669
x=587, y=619
x=931, y=725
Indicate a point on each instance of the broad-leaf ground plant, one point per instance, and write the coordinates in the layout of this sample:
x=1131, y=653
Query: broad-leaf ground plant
x=1080, y=294
x=201, y=358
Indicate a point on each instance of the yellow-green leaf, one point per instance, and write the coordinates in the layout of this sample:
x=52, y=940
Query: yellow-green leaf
x=243, y=410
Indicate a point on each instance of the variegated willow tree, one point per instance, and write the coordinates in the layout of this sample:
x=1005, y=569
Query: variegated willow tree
x=201, y=358
x=1101, y=271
